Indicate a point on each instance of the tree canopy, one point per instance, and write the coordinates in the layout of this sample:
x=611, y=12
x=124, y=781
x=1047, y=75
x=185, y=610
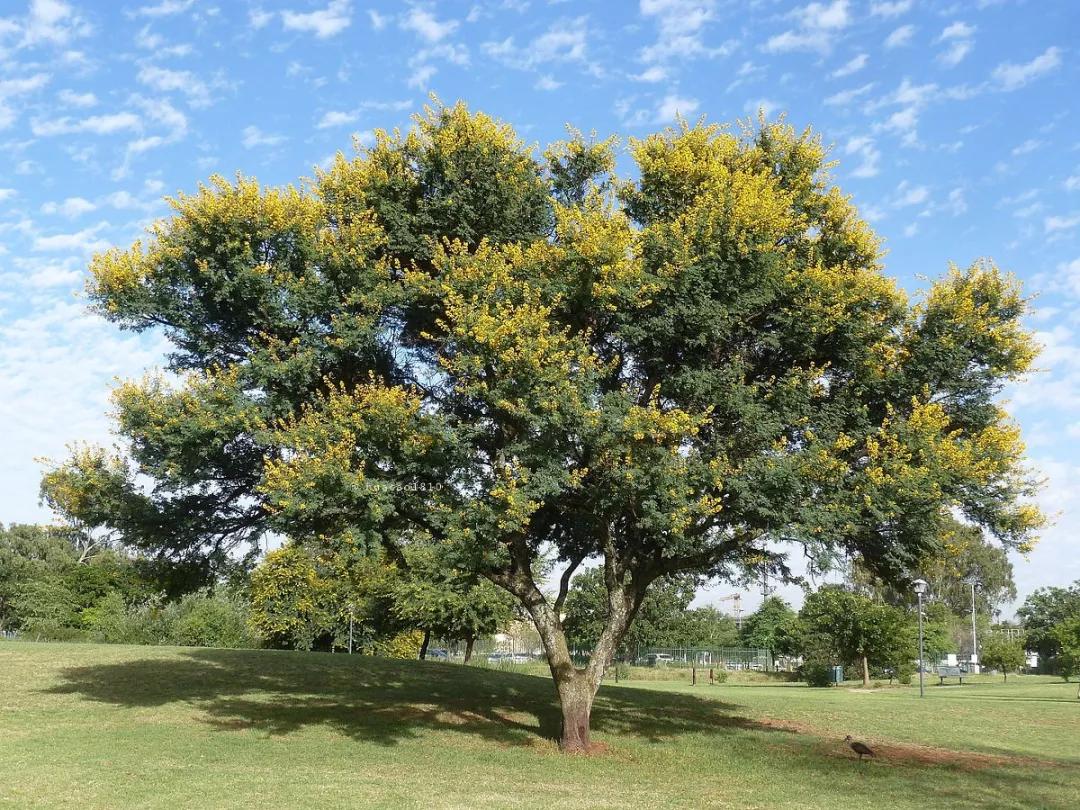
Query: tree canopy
x=451, y=339
x=1041, y=613
x=856, y=630
x=664, y=619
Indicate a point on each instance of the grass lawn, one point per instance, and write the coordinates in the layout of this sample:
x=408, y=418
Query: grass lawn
x=113, y=727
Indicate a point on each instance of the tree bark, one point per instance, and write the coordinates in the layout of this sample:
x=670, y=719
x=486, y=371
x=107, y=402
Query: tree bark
x=424, y=645
x=576, y=687
x=469, y=648
x=576, y=698
x=865, y=673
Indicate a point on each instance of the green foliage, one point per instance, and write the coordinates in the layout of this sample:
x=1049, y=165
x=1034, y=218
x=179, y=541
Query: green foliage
x=665, y=618
x=202, y=619
x=1002, y=653
x=772, y=627
x=1044, y=610
x=431, y=595
x=816, y=671
x=448, y=341
x=1067, y=635
x=848, y=627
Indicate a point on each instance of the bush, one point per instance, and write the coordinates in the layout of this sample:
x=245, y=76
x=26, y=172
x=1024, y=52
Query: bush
x=403, y=645
x=112, y=622
x=205, y=619
x=201, y=619
x=816, y=672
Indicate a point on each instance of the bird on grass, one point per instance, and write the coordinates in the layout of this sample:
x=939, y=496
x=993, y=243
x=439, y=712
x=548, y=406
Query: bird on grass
x=862, y=749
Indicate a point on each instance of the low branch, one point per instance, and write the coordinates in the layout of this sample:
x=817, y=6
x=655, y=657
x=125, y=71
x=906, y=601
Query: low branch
x=564, y=583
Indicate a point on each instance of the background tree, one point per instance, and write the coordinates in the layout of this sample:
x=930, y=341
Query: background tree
x=772, y=627
x=1003, y=653
x=1067, y=634
x=658, y=621
x=857, y=630
x=959, y=555
x=450, y=339
x=1042, y=611
x=431, y=595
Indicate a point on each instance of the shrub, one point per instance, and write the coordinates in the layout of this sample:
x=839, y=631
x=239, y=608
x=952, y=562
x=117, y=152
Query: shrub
x=403, y=645
x=210, y=619
x=816, y=672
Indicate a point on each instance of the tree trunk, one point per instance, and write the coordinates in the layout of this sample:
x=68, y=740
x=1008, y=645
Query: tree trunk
x=576, y=698
x=424, y=646
x=469, y=648
x=575, y=687
x=865, y=673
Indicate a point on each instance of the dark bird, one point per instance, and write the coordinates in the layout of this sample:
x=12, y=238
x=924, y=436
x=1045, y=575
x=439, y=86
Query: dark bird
x=862, y=749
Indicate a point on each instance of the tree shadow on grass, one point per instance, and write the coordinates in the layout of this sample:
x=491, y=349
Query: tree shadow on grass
x=383, y=701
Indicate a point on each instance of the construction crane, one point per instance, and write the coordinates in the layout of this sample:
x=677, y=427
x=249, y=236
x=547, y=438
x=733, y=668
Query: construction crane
x=737, y=599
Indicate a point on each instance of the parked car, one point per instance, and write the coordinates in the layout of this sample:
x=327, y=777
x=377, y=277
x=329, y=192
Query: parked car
x=658, y=659
x=439, y=654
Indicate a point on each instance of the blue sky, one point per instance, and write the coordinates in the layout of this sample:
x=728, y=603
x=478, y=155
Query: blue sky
x=953, y=122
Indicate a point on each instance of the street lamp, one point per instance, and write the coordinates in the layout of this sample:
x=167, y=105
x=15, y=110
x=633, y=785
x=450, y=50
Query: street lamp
x=974, y=637
x=920, y=589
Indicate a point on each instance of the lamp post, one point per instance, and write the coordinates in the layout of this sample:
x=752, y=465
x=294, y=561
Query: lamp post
x=920, y=589
x=974, y=637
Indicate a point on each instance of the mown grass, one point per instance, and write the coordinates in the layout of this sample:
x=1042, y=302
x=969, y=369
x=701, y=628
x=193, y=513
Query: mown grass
x=113, y=727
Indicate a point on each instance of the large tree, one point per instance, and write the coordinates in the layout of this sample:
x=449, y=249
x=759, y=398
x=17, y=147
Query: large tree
x=450, y=339
x=1043, y=611
x=856, y=630
x=771, y=626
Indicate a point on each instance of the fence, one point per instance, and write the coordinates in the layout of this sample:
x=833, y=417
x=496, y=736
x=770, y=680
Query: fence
x=731, y=658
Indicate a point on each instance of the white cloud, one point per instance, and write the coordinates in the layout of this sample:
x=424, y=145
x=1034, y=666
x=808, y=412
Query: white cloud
x=72, y=207
x=378, y=21
x=671, y=106
x=845, y=97
x=961, y=40
x=51, y=22
x=889, y=10
x=547, y=83
x=338, y=118
x=651, y=75
x=681, y=28
x=171, y=81
x=95, y=125
x=259, y=18
x=762, y=106
x=1027, y=147
x=1055, y=224
x=957, y=204
x=7, y=193
x=333, y=19
x=54, y=275
x=27, y=84
x=72, y=99
x=165, y=8
x=1072, y=183
x=84, y=241
x=818, y=24
x=900, y=37
x=1012, y=77
x=854, y=65
x=562, y=42
x=863, y=147
x=425, y=25
x=252, y=137
x=908, y=195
